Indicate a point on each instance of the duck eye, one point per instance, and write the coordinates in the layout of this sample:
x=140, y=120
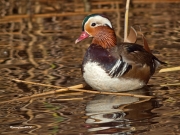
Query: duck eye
x=93, y=24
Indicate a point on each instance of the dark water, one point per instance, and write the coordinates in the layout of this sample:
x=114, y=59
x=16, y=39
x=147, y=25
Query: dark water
x=37, y=44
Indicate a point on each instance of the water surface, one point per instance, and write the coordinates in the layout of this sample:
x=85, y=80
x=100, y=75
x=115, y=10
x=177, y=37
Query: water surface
x=37, y=45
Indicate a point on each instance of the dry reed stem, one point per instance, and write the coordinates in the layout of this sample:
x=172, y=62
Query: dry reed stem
x=68, y=99
x=40, y=84
x=62, y=89
x=126, y=20
x=72, y=88
x=71, y=94
x=78, y=88
x=154, y=1
x=33, y=96
x=169, y=69
x=170, y=84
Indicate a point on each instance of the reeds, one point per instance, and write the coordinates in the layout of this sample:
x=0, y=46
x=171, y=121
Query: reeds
x=75, y=88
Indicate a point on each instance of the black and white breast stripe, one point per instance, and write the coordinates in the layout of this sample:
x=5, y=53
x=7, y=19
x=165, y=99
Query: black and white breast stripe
x=119, y=68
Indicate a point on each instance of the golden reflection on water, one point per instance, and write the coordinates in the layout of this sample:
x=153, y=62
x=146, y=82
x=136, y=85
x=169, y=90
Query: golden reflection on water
x=37, y=44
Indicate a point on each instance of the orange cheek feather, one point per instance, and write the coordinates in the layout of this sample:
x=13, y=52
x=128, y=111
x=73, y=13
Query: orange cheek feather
x=89, y=29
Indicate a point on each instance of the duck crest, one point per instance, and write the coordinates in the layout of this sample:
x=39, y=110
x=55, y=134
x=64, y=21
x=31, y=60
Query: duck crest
x=86, y=19
x=105, y=37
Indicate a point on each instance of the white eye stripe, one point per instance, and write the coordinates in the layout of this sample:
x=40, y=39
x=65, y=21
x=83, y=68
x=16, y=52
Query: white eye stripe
x=99, y=21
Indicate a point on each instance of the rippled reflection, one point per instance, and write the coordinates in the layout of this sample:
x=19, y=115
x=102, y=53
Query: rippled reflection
x=37, y=44
x=106, y=111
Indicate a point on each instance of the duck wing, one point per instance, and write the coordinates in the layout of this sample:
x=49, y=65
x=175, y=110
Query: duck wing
x=133, y=59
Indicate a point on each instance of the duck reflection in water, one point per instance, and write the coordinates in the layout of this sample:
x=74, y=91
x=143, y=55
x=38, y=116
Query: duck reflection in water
x=106, y=112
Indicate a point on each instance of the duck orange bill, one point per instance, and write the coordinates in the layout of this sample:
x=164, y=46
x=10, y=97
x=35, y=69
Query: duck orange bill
x=83, y=36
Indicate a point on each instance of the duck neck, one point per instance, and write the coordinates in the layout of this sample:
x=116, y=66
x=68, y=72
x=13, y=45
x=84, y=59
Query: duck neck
x=105, y=37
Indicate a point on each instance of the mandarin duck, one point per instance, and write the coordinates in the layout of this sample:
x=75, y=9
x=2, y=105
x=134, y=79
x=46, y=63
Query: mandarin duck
x=112, y=66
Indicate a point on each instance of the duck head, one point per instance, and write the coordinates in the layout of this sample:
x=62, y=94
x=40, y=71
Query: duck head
x=100, y=29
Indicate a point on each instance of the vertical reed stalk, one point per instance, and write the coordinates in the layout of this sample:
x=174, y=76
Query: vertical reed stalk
x=126, y=20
